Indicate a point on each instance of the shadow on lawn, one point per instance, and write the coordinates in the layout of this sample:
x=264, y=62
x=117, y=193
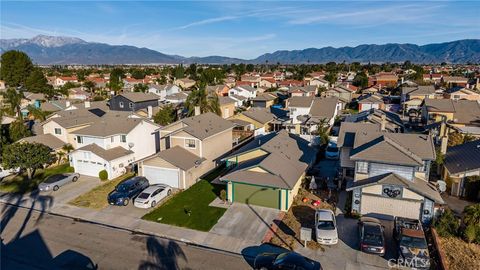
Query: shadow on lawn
x=163, y=255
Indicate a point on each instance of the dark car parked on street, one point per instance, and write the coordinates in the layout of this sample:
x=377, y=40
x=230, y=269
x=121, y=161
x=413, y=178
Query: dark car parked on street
x=372, y=236
x=127, y=190
x=286, y=260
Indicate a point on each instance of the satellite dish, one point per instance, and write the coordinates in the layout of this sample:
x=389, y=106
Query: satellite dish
x=130, y=145
x=441, y=185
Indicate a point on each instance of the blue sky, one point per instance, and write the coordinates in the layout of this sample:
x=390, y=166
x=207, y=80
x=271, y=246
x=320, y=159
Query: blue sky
x=243, y=29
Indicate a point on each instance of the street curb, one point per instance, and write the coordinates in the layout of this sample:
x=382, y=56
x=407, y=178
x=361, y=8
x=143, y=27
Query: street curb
x=133, y=231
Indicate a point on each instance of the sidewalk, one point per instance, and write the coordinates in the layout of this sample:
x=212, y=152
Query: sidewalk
x=135, y=225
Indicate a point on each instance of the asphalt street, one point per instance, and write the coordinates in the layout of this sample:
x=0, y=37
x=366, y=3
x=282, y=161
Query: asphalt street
x=32, y=240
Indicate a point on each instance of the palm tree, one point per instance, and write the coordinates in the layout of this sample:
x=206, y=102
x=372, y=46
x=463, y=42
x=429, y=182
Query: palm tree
x=207, y=102
x=37, y=113
x=13, y=98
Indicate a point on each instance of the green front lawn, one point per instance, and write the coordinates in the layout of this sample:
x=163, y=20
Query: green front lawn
x=21, y=184
x=97, y=197
x=190, y=208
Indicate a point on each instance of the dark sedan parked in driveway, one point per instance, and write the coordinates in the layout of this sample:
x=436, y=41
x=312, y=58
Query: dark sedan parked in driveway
x=372, y=236
x=54, y=182
x=127, y=190
x=287, y=260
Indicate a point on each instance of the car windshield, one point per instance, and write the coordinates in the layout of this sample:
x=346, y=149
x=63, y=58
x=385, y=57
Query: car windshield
x=144, y=195
x=332, y=149
x=326, y=225
x=373, y=239
x=54, y=178
x=414, y=242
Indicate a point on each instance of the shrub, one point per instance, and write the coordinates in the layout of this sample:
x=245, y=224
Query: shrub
x=70, y=169
x=447, y=224
x=472, y=214
x=223, y=195
x=103, y=175
x=470, y=233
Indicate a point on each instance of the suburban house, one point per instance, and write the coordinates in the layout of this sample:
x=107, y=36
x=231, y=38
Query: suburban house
x=49, y=140
x=340, y=92
x=184, y=83
x=461, y=161
x=133, y=101
x=318, y=82
x=263, y=100
x=61, y=81
x=391, y=174
x=302, y=91
x=432, y=77
x=163, y=90
x=261, y=119
x=239, y=100
x=268, y=171
x=452, y=81
x=306, y=113
x=129, y=83
x=189, y=148
x=384, y=79
x=388, y=121
x=55, y=105
x=78, y=93
x=219, y=89
x=268, y=83
x=368, y=102
x=461, y=93
x=113, y=143
x=244, y=91
x=177, y=98
x=462, y=114
x=227, y=106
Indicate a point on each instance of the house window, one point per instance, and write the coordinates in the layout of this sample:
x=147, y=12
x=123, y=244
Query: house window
x=189, y=143
x=112, y=139
x=79, y=139
x=130, y=105
x=120, y=104
x=123, y=138
x=423, y=167
x=58, y=131
x=362, y=167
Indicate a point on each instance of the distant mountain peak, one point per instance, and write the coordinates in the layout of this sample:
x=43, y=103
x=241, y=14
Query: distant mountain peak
x=54, y=41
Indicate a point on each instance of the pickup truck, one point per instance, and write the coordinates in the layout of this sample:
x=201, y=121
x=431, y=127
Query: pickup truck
x=412, y=244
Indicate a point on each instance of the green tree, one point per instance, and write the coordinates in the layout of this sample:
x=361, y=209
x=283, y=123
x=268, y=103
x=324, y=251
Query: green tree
x=200, y=98
x=14, y=99
x=37, y=113
x=331, y=77
x=140, y=87
x=250, y=68
x=37, y=82
x=165, y=116
x=27, y=156
x=17, y=130
x=116, y=79
x=360, y=80
x=471, y=214
x=179, y=72
x=138, y=74
x=322, y=131
x=89, y=85
x=15, y=68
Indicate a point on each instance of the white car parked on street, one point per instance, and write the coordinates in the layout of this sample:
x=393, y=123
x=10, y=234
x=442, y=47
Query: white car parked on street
x=152, y=195
x=4, y=173
x=326, y=227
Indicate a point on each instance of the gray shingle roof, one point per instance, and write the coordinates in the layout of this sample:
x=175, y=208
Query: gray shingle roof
x=419, y=186
x=139, y=96
x=323, y=108
x=108, y=155
x=302, y=102
x=45, y=139
x=225, y=100
x=465, y=111
x=463, y=157
x=419, y=90
x=205, y=125
x=262, y=116
x=180, y=158
x=264, y=97
x=110, y=125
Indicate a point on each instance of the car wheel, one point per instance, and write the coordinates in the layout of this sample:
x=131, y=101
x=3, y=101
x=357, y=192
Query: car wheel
x=74, y=179
x=154, y=203
x=169, y=192
x=125, y=202
x=55, y=188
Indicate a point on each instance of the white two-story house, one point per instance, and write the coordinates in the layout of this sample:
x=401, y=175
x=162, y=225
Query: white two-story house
x=163, y=90
x=112, y=144
x=391, y=174
x=245, y=91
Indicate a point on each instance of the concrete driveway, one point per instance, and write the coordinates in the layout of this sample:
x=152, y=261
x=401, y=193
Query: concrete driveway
x=126, y=211
x=245, y=221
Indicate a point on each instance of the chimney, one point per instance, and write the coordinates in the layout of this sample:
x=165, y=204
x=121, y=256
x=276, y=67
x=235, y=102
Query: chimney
x=149, y=111
x=383, y=124
x=197, y=110
x=67, y=103
x=87, y=104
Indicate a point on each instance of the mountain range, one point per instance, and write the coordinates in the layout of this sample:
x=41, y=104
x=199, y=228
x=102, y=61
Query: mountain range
x=51, y=50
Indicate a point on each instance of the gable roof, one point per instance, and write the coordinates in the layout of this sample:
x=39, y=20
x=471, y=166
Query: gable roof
x=139, y=96
x=463, y=157
x=203, y=126
x=348, y=130
x=46, y=139
x=375, y=116
x=419, y=90
x=264, y=97
x=262, y=116
x=110, y=125
x=370, y=99
x=108, y=155
x=417, y=185
x=180, y=158
x=465, y=111
x=301, y=102
x=323, y=108
x=225, y=100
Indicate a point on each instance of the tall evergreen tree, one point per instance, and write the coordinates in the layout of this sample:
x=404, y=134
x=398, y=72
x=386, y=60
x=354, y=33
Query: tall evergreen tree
x=15, y=68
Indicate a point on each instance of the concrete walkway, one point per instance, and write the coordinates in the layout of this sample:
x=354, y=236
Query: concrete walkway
x=456, y=204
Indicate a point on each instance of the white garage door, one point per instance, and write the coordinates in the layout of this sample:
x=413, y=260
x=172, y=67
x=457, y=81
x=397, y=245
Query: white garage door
x=86, y=167
x=157, y=175
x=389, y=207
